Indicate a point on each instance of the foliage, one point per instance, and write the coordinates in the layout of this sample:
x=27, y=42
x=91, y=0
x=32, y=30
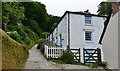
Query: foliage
x=103, y=64
x=43, y=35
x=33, y=25
x=53, y=26
x=52, y=22
x=40, y=41
x=12, y=12
x=37, y=12
x=32, y=15
x=98, y=64
x=104, y=8
x=67, y=57
x=56, y=60
x=22, y=34
x=15, y=35
x=29, y=20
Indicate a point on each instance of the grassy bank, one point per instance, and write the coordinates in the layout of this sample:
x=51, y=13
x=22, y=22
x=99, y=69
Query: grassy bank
x=14, y=54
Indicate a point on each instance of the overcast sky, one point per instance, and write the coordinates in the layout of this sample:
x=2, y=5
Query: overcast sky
x=58, y=7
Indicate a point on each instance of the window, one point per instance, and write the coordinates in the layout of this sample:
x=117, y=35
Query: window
x=56, y=40
x=88, y=20
x=88, y=35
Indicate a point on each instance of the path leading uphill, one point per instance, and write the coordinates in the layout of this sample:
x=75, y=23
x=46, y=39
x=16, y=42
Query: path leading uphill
x=37, y=61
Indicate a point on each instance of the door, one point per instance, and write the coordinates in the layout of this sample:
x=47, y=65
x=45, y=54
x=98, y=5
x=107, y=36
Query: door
x=61, y=40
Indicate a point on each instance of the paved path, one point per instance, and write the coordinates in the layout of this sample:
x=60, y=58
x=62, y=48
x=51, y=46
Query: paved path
x=37, y=61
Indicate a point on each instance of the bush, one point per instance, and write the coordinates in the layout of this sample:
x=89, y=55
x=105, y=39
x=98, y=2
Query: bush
x=95, y=65
x=67, y=57
x=103, y=64
x=39, y=45
x=15, y=35
x=40, y=41
x=43, y=35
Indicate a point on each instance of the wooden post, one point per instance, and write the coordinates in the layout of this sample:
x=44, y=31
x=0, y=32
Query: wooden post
x=84, y=54
x=79, y=55
x=46, y=50
x=99, y=54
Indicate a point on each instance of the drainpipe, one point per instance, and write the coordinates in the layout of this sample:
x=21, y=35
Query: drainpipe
x=52, y=38
x=68, y=31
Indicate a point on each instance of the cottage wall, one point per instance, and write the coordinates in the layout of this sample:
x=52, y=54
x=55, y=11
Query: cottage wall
x=62, y=30
x=78, y=28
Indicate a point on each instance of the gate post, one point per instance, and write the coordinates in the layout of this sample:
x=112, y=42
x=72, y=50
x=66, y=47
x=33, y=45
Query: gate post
x=99, y=54
x=79, y=55
x=84, y=55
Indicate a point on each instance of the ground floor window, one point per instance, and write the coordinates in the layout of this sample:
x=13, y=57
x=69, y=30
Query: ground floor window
x=56, y=40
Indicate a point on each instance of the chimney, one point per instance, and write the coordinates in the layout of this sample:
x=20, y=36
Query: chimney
x=115, y=7
x=87, y=11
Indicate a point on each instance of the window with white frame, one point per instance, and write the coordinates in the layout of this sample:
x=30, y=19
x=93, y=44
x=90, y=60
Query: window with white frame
x=88, y=20
x=88, y=35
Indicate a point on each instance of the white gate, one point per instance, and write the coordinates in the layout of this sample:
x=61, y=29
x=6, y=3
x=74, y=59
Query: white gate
x=53, y=52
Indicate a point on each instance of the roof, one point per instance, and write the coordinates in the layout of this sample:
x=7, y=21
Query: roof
x=83, y=13
x=105, y=27
x=79, y=13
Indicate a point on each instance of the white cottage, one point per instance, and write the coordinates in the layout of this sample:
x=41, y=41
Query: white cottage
x=78, y=30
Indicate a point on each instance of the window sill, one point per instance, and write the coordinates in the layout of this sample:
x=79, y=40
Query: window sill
x=88, y=41
x=88, y=25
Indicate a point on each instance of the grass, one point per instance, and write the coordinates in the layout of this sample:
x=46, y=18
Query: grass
x=14, y=54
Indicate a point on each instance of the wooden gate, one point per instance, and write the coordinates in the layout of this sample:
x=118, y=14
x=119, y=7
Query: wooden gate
x=92, y=55
x=76, y=53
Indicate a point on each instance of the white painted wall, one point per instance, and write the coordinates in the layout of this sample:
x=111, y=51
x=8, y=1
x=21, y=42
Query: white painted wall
x=110, y=43
x=62, y=29
x=77, y=31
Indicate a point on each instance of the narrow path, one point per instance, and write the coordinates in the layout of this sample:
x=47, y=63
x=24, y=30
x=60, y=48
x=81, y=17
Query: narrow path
x=37, y=61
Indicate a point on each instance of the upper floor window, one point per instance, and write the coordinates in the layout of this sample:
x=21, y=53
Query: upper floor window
x=88, y=36
x=88, y=20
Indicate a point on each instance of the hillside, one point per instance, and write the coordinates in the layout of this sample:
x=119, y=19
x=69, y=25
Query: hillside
x=26, y=23
x=14, y=54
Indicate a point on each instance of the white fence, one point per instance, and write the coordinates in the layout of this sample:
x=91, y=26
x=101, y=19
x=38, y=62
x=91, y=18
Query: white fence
x=53, y=52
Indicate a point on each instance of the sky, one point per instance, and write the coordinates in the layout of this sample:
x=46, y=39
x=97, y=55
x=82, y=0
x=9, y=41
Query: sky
x=58, y=7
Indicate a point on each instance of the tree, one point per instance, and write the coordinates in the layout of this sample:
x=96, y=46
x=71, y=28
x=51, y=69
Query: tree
x=53, y=20
x=32, y=15
x=104, y=8
x=36, y=12
x=12, y=12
